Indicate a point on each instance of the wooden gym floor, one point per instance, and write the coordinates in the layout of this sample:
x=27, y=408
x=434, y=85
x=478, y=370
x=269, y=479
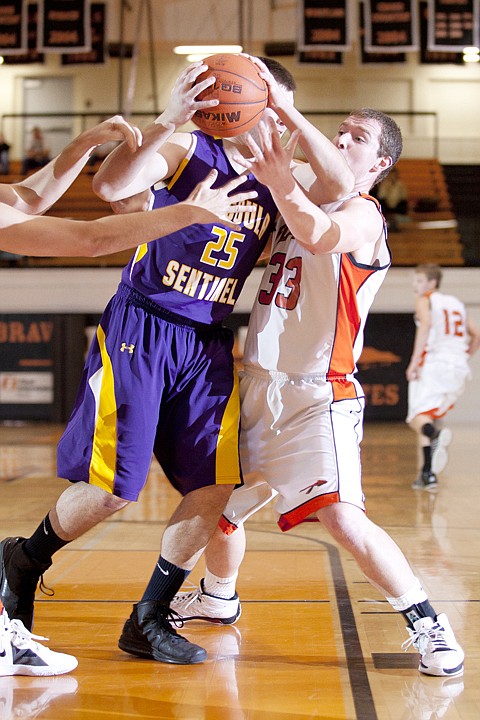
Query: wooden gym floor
x=314, y=639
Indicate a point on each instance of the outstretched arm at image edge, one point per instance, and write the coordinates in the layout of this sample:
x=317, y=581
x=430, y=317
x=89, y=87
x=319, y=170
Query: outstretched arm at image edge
x=49, y=236
x=38, y=192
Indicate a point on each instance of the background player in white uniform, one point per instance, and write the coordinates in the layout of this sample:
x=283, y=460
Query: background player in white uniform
x=302, y=410
x=445, y=339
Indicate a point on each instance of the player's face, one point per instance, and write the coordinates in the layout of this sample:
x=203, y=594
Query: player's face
x=422, y=285
x=358, y=139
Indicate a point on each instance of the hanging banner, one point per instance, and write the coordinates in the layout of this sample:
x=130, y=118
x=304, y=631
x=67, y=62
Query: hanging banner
x=31, y=55
x=97, y=55
x=324, y=25
x=378, y=57
x=13, y=26
x=434, y=57
x=64, y=26
x=452, y=24
x=320, y=57
x=391, y=26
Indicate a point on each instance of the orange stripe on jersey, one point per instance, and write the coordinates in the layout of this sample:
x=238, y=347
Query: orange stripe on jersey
x=348, y=325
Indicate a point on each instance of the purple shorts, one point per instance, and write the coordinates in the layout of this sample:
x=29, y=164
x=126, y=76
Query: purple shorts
x=154, y=382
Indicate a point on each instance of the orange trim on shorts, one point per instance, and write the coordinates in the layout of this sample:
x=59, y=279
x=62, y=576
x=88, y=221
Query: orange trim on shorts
x=343, y=389
x=435, y=413
x=226, y=526
x=288, y=520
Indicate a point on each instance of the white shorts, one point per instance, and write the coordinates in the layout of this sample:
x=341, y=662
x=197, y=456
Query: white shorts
x=437, y=389
x=297, y=444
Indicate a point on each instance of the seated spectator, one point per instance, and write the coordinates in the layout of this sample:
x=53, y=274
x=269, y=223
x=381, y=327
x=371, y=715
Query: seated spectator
x=393, y=196
x=4, y=160
x=38, y=154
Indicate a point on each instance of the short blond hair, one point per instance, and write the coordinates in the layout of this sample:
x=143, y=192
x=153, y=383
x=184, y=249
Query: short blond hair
x=432, y=272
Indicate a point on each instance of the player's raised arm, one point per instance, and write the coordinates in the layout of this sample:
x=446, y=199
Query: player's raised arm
x=123, y=174
x=327, y=177
x=49, y=236
x=42, y=189
x=347, y=230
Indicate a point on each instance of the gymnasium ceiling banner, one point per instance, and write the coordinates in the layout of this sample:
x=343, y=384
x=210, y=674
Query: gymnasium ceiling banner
x=13, y=27
x=97, y=54
x=31, y=54
x=452, y=24
x=434, y=57
x=320, y=57
x=324, y=25
x=64, y=26
x=378, y=57
x=391, y=26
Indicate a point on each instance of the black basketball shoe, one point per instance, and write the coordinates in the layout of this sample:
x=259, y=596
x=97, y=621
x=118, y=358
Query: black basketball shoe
x=148, y=633
x=19, y=576
x=426, y=480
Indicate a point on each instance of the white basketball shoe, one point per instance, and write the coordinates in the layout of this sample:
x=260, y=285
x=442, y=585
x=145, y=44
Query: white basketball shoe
x=20, y=654
x=439, y=450
x=440, y=654
x=199, y=605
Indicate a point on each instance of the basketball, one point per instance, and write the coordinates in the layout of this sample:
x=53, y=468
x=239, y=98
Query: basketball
x=241, y=92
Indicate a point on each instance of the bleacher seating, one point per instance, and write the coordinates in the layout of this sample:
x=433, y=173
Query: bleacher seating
x=425, y=236
x=429, y=233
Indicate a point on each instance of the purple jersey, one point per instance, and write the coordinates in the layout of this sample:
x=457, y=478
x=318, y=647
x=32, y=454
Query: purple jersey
x=198, y=272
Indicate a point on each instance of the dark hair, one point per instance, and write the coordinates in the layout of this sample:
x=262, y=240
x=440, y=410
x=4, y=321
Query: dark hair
x=433, y=272
x=390, y=141
x=283, y=76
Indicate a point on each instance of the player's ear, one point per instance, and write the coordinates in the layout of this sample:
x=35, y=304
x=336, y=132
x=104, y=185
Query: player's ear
x=383, y=163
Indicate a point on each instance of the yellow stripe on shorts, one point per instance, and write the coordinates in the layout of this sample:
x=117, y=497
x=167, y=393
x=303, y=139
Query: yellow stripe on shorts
x=227, y=467
x=104, y=450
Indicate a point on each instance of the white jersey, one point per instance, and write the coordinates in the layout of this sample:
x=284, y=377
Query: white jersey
x=448, y=337
x=444, y=369
x=302, y=410
x=310, y=311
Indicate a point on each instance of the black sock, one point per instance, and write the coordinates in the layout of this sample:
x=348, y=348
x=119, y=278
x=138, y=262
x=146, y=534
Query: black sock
x=166, y=581
x=420, y=610
x=427, y=458
x=429, y=430
x=43, y=543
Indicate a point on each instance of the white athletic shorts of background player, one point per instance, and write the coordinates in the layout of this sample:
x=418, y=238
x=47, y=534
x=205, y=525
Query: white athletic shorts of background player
x=439, y=386
x=297, y=445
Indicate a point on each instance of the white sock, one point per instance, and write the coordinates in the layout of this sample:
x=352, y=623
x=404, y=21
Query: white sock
x=218, y=586
x=414, y=596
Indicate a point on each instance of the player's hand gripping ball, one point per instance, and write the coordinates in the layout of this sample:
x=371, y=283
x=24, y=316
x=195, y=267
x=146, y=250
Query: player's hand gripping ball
x=242, y=94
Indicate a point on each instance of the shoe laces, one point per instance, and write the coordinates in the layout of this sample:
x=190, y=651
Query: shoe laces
x=421, y=637
x=48, y=591
x=172, y=617
x=22, y=635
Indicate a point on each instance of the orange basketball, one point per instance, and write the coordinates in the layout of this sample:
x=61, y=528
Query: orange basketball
x=242, y=94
